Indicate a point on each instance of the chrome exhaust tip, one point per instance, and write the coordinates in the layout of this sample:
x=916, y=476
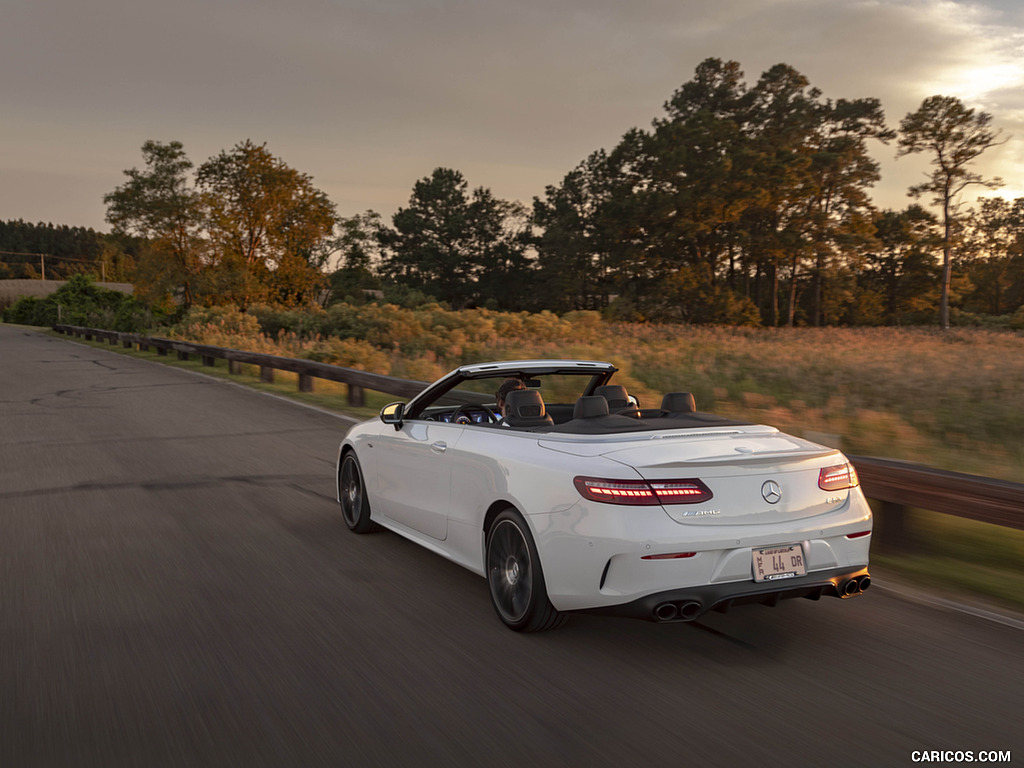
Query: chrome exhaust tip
x=850, y=588
x=666, y=612
x=689, y=610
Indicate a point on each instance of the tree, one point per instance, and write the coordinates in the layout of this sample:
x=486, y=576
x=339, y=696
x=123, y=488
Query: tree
x=993, y=256
x=459, y=246
x=842, y=170
x=498, y=233
x=269, y=226
x=358, y=248
x=160, y=204
x=955, y=136
x=59, y=251
x=694, y=181
x=735, y=191
x=901, y=268
x=426, y=248
x=573, y=243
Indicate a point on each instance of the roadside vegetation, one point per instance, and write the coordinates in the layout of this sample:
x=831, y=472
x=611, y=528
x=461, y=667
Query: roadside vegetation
x=948, y=399
x=953, y=557
x=80, y=301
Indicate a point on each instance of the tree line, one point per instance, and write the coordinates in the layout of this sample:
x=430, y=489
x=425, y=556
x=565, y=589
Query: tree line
x=741, y=204
x=34, y=251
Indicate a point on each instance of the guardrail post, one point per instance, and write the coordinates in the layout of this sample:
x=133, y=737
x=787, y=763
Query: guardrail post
x=305, y=383
x=208, y=361
x=182, y=355
x=234, y=367
x=891, y=532
x=126, y=343
x=356, y=397
x=266, y=374
x=161, y=351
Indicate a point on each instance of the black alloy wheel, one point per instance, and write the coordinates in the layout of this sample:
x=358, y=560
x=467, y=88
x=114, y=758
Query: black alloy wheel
x=515, y=579
x=355, y=507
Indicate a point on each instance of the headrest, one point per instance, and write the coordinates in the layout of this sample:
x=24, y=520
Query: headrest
x=615, y=394
x=590, y=407
x=525, y=403
x=678, y=402
x=526, y=409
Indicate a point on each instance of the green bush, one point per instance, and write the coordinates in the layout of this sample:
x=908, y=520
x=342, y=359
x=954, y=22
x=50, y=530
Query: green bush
x=305, y=324
x=1017, y=319
x=223, y=320
x=961, y=319
x=81, y=302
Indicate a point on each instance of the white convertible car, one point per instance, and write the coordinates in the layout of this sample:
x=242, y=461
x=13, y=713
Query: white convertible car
x=577, y=499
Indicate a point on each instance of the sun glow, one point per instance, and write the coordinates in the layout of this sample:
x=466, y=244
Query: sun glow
x=976, y=83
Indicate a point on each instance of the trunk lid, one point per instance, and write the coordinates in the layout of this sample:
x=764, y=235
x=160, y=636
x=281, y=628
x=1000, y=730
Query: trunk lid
x=757, y=474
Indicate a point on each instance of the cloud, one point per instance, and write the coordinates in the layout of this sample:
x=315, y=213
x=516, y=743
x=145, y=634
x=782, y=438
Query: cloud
x=369, y=95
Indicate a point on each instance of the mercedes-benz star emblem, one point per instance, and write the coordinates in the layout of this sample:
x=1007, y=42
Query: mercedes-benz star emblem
x=771, y=491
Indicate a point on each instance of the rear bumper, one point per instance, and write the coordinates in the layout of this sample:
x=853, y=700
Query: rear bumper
x=686, y=604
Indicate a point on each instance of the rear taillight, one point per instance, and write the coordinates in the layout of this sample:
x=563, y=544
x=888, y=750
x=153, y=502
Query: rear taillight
x=642, y=492
x=838, y=477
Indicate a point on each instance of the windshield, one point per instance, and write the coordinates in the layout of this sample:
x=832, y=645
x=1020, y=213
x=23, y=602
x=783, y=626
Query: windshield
x=555, y=389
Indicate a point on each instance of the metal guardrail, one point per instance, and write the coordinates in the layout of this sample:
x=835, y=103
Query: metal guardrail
x=307, y=370
x=896, y=484
x=901, y=485
x=988, y=500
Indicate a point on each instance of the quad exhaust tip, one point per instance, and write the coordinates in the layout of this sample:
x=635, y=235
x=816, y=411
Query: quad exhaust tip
x=688, y=610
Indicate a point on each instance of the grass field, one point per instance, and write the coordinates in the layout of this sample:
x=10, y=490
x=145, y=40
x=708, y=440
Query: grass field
x=954, y=556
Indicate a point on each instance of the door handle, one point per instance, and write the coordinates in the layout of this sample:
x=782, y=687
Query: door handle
x=439, y=447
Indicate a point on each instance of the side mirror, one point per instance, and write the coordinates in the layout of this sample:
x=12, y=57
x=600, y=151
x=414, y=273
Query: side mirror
x=392, y=413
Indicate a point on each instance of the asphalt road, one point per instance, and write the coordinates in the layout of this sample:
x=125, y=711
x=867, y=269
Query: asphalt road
x=177, y=588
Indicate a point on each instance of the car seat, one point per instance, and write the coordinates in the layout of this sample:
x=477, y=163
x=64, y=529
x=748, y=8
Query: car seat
x=678, y=402
x=525, y=408
x=618, y=400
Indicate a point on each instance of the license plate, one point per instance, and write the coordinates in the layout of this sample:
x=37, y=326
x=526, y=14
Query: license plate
x=775, y=563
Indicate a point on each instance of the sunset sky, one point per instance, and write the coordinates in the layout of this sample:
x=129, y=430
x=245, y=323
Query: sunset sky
x=367, y=96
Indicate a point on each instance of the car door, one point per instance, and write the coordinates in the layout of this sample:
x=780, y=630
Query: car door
x=414, y=475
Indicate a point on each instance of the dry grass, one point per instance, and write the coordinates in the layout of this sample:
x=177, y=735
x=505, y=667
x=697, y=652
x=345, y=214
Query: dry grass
x=953, y=400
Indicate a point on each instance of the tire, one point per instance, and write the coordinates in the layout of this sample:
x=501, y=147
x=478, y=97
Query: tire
x=515, y=579
x=355, y=506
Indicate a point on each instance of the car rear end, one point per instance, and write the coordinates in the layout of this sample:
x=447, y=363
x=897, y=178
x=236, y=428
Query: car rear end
x=686, y=523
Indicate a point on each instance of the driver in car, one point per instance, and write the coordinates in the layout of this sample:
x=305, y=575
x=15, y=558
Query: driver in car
x=508, y=385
